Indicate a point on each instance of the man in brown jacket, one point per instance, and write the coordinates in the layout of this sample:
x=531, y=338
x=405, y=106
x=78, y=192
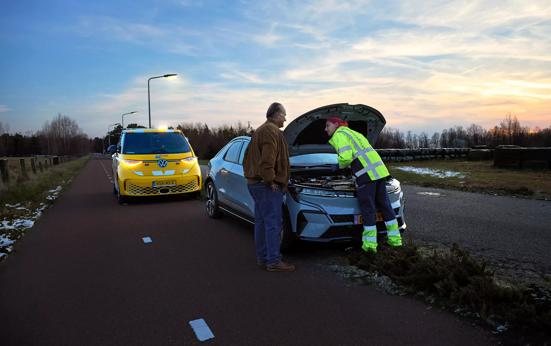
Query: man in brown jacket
x=266, y=167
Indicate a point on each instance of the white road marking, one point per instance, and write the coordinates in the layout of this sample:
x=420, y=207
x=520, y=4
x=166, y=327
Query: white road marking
x=147, y=240
x=202, y=331
x=106, y=173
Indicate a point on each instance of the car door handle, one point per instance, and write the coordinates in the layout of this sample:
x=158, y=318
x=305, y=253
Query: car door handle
x=224, y=171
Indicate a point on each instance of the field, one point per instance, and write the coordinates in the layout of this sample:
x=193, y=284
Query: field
x=475, y=176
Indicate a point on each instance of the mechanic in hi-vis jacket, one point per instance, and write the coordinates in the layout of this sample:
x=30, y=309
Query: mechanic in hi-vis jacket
x=354, y=150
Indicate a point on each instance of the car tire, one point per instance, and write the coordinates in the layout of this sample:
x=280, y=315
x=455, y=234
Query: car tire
x=120, y=198
x=211, y=203
x=288, y=238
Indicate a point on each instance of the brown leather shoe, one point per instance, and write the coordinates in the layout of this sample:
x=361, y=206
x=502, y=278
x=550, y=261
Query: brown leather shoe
x=280, y=267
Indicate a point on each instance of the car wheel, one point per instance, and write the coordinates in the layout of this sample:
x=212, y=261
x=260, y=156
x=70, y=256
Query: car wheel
x=120, y=198
x=211, y=205
x=288, y=238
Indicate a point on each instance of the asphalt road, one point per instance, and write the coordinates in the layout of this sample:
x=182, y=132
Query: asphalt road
x=514, y=233
x=83, y=276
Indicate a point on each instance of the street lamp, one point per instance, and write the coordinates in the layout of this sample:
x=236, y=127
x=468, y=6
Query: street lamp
x=109, y=134
x=122, y=117
x=148, y=96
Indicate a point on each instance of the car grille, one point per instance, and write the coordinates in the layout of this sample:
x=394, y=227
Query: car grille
x=339, y=218
x=134, y=189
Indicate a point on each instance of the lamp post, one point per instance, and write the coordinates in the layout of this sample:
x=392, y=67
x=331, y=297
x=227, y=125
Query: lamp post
x=148, y=94
x=122, y=117
x=109, y=134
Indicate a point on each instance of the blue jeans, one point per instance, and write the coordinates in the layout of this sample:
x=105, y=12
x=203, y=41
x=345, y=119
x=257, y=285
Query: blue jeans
x=267, y=222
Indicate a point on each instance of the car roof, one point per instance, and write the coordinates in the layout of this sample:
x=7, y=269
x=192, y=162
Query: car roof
x=150, y=131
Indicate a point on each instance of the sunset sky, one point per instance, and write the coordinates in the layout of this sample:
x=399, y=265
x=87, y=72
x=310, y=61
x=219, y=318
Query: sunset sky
x=425, y=65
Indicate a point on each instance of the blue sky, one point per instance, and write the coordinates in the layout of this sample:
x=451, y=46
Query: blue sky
x=426, y=66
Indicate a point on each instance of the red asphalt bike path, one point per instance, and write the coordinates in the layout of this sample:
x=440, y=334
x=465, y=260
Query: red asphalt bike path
x=83, y=276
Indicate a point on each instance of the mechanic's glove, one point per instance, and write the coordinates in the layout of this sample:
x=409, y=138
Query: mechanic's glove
x=334, y=167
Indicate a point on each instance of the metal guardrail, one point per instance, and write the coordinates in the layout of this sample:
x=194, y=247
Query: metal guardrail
x=422, y=153
x=521, y=157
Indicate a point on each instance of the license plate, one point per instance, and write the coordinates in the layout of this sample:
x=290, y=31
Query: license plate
x=358, y=219
x=163, y=183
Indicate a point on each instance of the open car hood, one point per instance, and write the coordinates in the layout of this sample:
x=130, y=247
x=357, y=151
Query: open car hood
x=306, y=134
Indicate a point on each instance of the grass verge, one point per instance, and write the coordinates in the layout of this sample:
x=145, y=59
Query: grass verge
x=21, y=203
x=478, y=176
x=453, y=279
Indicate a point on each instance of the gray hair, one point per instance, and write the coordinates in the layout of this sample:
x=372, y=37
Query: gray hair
x=273, y=109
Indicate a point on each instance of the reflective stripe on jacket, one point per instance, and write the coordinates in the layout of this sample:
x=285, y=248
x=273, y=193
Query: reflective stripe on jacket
x=351, y=145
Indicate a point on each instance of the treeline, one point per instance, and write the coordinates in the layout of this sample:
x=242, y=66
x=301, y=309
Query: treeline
x=508, y=132
x=206, y=141
x=61, y=136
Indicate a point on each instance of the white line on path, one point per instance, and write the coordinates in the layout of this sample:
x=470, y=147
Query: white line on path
x=202, y=331
x=147, y=240
x=106, y=173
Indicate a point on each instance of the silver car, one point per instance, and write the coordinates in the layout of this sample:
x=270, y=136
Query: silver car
x=321, y=205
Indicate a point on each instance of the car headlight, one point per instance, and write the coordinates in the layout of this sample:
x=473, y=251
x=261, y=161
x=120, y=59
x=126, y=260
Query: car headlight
x=131, y=163
x=392, y=186
x=189, y=162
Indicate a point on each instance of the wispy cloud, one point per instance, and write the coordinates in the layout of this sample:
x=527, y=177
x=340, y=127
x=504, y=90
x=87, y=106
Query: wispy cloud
x=4, y=108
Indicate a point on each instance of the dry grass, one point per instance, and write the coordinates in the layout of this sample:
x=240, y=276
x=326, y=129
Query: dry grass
x=457, y=281
x=14, y=169
x=33, y=191
x=479, y=176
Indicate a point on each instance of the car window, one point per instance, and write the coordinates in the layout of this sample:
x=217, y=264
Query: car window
x=155, y=143
x=232, y=155
x=242, y=155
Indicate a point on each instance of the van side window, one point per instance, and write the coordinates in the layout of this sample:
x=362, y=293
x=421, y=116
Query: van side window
x=232, y=155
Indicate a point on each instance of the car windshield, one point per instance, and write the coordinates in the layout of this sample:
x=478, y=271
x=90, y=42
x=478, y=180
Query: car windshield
x=155, y=143
x=309, y=160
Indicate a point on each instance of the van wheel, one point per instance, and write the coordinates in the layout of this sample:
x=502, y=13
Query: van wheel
x=120, y=198
x=211, y=204
x=288, y=238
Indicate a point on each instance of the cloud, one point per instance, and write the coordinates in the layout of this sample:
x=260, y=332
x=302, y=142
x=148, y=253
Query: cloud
x=4, y=108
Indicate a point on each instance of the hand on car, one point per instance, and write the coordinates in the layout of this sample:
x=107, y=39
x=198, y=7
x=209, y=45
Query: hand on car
x=335, y=167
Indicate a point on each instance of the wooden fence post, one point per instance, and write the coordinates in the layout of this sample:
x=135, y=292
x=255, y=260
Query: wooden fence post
x=33, y=165
x=24, y=174
x=4, y=170
x=40, y=166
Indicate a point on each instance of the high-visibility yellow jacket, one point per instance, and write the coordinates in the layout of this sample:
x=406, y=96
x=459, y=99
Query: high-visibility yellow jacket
x=351, y=145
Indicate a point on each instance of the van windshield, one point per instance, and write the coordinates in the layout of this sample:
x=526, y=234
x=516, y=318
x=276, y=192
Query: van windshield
x=154, y=143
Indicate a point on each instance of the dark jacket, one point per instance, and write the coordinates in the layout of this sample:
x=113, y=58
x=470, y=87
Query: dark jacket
x=267, y=156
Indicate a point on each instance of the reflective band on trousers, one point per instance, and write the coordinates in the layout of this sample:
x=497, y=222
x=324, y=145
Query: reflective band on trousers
x=391, y=223
x=360, y=152
x=393, y=233
x=369, y=239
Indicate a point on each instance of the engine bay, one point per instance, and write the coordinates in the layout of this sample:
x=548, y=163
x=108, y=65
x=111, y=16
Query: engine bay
x=330, y=182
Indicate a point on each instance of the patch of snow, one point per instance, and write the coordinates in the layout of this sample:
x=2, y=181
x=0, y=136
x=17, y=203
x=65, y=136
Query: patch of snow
x=4, y=241
x=432, y=172
x=436, y=194
x=12, y=205
x=17, y=223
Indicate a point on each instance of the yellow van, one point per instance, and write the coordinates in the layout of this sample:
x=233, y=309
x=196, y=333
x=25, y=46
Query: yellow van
x=152, y=162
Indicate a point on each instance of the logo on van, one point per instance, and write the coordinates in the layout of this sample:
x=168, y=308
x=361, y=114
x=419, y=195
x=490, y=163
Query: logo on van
x=162, y=163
